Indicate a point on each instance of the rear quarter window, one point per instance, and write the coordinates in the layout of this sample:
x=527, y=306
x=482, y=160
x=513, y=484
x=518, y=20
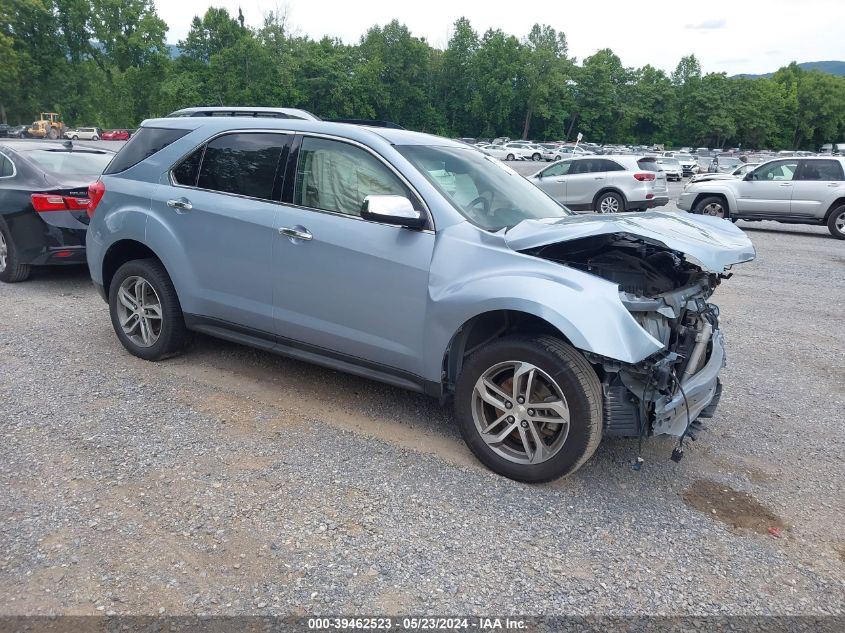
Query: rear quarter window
x=141, y=145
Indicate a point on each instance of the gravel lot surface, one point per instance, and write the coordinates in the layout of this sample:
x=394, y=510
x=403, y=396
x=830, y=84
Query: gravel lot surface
x=228, y=480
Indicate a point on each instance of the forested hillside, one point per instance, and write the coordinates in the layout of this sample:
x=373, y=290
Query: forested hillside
x=106, y=63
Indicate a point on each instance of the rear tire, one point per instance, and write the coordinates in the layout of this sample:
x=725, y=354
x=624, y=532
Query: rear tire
x=167, y=334
x=509, y=157
x=836, y=222
x=11, y=270
x=610, y=202
x=535, y=157
x=713, y=206
x=556, y=370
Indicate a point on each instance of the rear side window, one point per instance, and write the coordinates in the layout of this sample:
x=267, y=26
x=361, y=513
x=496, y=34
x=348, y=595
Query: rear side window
x=244, y=164
x=143, y=144
x=611, y=165
x=822, y=170
x=6, y=168
x=187, y=172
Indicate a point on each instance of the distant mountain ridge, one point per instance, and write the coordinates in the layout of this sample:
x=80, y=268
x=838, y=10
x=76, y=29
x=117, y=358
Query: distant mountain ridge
x=832, y=67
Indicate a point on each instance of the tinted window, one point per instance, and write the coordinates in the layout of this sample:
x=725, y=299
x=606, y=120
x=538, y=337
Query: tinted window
x=335, y=176
x=821, y=170
x=610, y=165
x=6, y=168
x=143, y=144
x=243, y=164
x=70, y=163
x=187, y=171
x=648, y=164
x=586, y=166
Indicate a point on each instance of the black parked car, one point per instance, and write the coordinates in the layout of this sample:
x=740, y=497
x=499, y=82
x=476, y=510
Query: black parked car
x=12, y=131
x=44, y=204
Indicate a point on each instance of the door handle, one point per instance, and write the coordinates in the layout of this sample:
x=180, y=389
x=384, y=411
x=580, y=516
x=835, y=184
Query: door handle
x=296, y=233
x=599, y=178
x=786, y=184
x=181, y=203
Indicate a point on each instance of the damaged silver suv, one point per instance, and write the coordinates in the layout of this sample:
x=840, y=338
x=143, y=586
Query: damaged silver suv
x=420, y=262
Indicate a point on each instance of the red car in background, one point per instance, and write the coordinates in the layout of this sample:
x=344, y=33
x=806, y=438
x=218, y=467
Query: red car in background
x=115, y=135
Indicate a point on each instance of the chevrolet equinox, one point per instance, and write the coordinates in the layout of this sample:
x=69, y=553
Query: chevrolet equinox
x=421, y=262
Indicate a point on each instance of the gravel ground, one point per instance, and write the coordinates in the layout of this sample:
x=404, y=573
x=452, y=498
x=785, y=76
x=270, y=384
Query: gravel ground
x=229, y=481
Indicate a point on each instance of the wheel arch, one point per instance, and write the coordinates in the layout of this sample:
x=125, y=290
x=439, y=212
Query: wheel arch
x=834, y=205
x=730, y=202
x=610, y=189
x=122, y=251
x=486, y=327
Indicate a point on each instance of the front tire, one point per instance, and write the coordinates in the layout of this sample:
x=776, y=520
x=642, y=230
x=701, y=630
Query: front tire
x=535, y=157
x=713, y=206
x=509, y=157
x=145, y=310
x=11, y=270
x=95, y=138
x=493, y=404
x=836, y=222
x=610, y=202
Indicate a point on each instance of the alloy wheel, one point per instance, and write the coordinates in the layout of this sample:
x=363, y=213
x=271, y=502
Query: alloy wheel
x=839, y=223
x=715, y=209
x=520, y=412
x=139, y=311
x=609, y=204
x=4, y=252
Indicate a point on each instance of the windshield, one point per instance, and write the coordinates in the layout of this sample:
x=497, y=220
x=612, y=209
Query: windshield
x=684, y=157
x=70, y=163
x=482, y=189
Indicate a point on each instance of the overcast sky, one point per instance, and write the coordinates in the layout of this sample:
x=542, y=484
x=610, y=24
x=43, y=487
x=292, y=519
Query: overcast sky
x=741, y=36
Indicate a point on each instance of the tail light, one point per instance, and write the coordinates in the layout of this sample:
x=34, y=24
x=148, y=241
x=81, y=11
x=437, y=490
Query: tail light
x=43, y=202
x=95, y=194
x=641, y=176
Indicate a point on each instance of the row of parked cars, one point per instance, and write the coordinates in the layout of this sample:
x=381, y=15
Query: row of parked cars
x=97, y=134
x=398, y=256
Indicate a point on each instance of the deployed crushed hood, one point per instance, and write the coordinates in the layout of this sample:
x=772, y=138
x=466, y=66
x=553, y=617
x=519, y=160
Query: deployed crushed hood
x=712, y=243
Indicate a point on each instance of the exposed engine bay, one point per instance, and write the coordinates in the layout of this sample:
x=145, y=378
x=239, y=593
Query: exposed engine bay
x=667, y=295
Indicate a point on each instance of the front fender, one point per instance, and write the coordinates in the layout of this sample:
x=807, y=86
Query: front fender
x=586, y=309
x=721, y=190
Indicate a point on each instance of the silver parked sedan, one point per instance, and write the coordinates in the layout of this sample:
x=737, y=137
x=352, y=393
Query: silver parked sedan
x=605, y=184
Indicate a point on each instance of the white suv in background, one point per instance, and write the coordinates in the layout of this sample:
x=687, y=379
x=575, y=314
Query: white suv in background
x=605, y=184
x=789, y=190
x=84, y=133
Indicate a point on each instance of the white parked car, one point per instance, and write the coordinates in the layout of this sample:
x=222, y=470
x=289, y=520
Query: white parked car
x=528, y=151
x=738, y=172
x=501, y=152
x=605, y=184
x=84, y=133
x=671, y=167
x=789, y=190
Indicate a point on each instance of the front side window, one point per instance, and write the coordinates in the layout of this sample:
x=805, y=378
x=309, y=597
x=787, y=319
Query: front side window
x=780, y=171
x=244, y=164
x=482, y=189
x=829, y=170
x=558, y=169
x=335, y=176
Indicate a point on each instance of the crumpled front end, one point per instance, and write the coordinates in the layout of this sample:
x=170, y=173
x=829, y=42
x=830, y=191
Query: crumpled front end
x=668, y=295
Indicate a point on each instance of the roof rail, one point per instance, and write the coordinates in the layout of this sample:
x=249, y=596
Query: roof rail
x=369, y=122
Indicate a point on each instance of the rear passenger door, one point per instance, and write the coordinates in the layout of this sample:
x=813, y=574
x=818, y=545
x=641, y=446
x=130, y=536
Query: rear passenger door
x=816, y=184
x=344, y=286
x=222, y=204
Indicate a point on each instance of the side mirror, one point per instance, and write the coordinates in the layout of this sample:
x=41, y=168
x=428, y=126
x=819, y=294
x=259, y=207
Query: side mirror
x=396, y=210
x=749, y=176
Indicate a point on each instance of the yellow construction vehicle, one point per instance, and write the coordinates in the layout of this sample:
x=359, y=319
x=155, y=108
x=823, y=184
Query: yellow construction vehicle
x=48, y=126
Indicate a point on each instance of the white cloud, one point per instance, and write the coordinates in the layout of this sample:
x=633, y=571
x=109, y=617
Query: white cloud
x=708, y=25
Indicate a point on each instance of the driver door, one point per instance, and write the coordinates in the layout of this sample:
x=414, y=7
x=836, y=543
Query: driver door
x=552, y=180
x=769, y=191
x=345, y=285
